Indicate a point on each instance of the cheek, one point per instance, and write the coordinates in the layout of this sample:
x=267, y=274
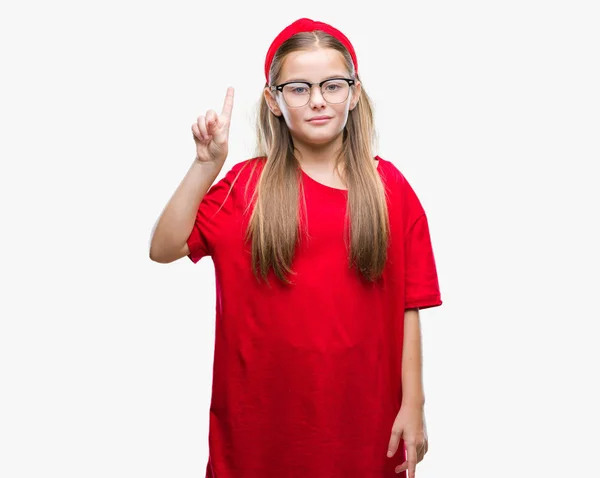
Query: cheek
x=341, y=115
x=293, y=119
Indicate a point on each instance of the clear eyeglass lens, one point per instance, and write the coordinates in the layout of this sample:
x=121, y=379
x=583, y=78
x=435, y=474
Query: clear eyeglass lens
x=298, y=94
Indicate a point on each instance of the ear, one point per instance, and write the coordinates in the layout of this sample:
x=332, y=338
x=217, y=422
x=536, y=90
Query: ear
x=271, y=102
x=355, y=95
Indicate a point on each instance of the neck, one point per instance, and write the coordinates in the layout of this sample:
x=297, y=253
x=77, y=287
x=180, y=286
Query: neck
x=320, y=157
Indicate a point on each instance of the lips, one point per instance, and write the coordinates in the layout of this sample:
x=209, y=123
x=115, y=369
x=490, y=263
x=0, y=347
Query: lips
x=316, y=118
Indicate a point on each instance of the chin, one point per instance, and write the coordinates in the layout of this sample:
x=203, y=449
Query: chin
x=321, y=137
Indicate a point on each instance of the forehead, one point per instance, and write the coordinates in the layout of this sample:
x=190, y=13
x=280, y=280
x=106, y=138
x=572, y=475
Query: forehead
x=313, y=65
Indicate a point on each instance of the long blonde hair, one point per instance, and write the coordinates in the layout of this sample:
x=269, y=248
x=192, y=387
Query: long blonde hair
x=274, y=227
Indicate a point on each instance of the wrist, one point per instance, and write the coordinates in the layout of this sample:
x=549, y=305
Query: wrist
x=215, y=165
x=414, y=401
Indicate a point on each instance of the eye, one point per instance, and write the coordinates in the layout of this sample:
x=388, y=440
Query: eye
x=335, y=85
x=296, y=89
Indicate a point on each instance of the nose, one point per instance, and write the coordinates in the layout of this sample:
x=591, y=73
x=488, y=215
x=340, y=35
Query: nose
x=316, y=99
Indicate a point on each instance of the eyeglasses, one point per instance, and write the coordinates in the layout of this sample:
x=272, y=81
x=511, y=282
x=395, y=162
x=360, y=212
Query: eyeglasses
x=297, y=93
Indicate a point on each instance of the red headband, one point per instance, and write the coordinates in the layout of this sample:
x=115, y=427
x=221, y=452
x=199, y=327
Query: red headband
x=307, y=25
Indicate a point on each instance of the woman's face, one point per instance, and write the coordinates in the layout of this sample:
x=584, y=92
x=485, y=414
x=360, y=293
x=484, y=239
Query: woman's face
x=314, y=67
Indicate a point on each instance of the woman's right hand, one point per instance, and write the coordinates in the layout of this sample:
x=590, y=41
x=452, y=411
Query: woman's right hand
x=211, y=133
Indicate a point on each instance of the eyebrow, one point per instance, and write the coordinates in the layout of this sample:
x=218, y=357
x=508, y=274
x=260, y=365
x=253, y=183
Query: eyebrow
x=305, y=80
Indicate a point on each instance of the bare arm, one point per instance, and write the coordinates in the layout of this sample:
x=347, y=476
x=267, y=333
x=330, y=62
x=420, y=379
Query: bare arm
x=412, y=370
x=174, y=226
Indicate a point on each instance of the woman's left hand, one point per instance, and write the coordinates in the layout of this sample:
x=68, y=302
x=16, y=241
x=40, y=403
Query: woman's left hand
x=410, y=426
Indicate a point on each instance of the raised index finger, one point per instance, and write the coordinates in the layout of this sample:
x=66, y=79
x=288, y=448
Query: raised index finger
x=228, y=103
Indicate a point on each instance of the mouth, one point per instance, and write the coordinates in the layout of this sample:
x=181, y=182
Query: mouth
x=319, y=120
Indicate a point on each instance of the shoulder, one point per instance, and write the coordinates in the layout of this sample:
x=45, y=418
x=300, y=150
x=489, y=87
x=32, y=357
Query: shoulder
x=237, y=183
x=392, y=175
x=240, y=166
x=242, y=170
x=401, y=193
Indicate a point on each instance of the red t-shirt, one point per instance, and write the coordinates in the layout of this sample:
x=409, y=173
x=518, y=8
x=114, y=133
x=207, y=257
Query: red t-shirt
x=307, y=378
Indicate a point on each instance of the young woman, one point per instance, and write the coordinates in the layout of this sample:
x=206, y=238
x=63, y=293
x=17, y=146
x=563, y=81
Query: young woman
x=323, y=259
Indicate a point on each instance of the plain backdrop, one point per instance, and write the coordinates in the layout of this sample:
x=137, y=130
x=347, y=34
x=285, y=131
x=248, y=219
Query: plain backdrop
x=491, y=111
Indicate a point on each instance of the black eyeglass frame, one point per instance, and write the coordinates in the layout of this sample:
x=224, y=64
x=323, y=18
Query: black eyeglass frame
x=351, y=82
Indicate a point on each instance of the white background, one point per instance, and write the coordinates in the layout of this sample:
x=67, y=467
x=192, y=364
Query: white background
x=490, y=109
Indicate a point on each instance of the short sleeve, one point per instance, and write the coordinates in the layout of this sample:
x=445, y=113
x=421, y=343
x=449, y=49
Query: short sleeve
x=421, y=280
x=214, y=210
